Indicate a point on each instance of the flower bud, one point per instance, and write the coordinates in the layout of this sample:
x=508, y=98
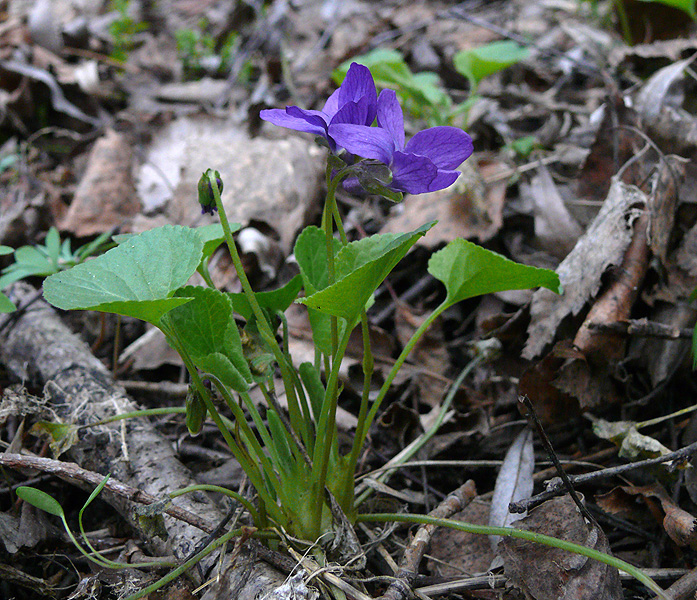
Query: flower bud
x=206, y=197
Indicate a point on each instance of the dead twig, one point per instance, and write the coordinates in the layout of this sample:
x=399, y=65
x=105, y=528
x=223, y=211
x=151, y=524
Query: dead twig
x=73, y=473
x=556, y=488
x=409, y=565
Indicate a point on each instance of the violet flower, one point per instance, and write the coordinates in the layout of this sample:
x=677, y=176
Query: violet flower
x=354, y=102
x=426, y=163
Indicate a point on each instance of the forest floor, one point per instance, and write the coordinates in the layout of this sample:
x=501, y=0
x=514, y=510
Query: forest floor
x=584, y=143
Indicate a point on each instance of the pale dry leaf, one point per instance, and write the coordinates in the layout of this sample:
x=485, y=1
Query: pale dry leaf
x=581, y=271
x=555, y=228
x=652, y=96
x=514, y=483
x=271, y=183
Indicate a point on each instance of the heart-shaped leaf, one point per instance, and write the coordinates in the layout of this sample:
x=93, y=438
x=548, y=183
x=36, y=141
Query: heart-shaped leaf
x=208, y=332
x=137, y=278
x=360, y=268
x=468, y=270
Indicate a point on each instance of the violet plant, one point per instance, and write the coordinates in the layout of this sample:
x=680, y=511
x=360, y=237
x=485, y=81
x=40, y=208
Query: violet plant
x=304, y=484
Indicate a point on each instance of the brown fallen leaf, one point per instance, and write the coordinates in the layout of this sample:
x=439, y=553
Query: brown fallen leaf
x=456, y=552
x=105, y=197
x=680, y=525
x=546, y=573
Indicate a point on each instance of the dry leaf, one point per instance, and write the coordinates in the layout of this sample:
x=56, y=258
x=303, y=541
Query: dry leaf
x=271, y=183
x=458, y=552
x=580, y=272
x=105, y=197
x=514, y=483
x=555, y=228
x=468, y=209
x=546, y=573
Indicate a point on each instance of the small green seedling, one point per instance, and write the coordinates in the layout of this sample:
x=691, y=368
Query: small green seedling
x=123, y=29
x=201, y=54
x=478, y=63
x=49, y=504
x=44, y=260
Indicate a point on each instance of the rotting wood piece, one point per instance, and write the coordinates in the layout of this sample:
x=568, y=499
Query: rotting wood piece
x=39, y=349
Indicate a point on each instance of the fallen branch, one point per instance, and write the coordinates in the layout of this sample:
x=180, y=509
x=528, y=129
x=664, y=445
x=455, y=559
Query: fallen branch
x=38, y=349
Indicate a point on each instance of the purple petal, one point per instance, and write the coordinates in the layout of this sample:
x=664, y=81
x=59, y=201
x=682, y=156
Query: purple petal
x=357, y=84
x=283, y=118
x=367, y=142
x=447, y=147
x=357, y=113
x=331, y=106
x=412, y=173
x=444, y=179
x=390, y=117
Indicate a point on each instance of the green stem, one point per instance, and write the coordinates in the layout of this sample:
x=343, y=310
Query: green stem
x=249, y=468
x=329, y=215
x=347, y=492
x=253, y=444
x=264, y=328
x=538, y=538
x=326, y=435
x=222, y=540
x=421, y=441
x=395, y=369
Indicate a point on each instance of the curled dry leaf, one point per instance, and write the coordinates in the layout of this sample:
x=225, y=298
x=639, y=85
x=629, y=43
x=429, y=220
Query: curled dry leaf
x=680, y=525
x=603, y=245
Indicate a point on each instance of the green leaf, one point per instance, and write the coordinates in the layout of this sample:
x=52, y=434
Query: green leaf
x=213, y=235
x=280, y=441
x=274, y=301
x=32, y=260
x=207, y=330
x=6, y=305
x=468, y=270
x=311, y=253
x=360, y=268
x=221, y=366
x=94, y=246
x=313, y=384
x=137, y=278
x=53, y=246
x=687, y=5
x=41, y=500
x=4, y=250
x=478, y=63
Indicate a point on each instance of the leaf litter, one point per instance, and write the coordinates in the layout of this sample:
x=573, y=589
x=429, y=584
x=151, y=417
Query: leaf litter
x=590, y=105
